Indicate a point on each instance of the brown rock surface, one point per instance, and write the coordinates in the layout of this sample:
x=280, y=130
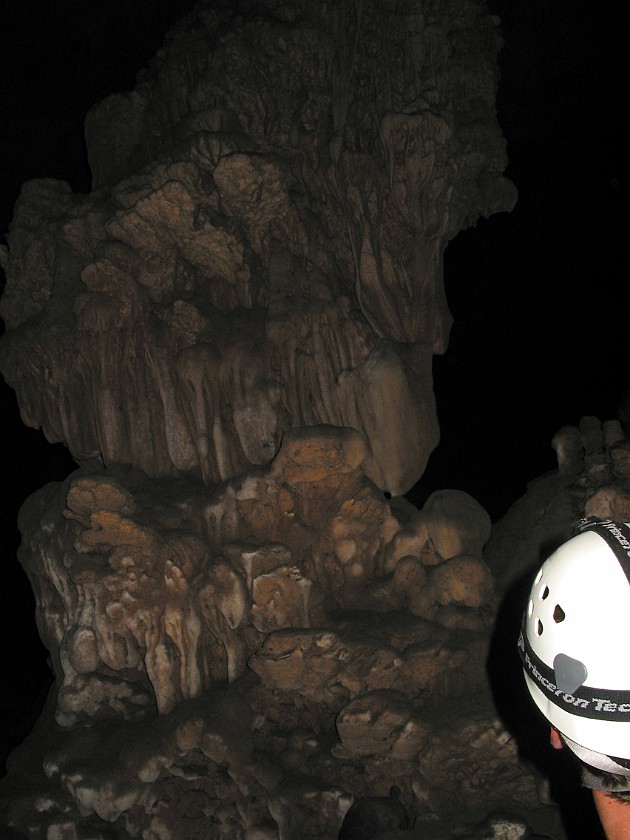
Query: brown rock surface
x=233, y=334
x=215, y=644
x=261, y=250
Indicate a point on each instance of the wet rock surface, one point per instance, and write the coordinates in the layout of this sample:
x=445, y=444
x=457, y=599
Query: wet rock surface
x=221, y=665
x=262, y=248
x=252, y=634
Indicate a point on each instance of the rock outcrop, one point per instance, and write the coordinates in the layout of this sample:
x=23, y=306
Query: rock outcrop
x=253, y=635
x=252, y=659
x=262, y=249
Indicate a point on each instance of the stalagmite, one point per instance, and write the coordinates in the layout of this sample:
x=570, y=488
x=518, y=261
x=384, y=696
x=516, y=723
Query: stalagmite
x=233, y=334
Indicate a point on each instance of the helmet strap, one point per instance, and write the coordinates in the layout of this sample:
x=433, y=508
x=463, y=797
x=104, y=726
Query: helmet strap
x=597, y=760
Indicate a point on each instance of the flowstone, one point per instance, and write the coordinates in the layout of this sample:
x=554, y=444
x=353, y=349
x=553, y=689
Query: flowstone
x=249, y=660
x=262, y=247
x=253, y=635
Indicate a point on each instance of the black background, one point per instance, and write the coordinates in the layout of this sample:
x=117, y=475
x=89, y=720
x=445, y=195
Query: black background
x=539, y=296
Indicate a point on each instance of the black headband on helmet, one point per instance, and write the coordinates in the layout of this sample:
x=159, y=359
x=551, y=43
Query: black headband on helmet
x=584, y=700
x=616, y=535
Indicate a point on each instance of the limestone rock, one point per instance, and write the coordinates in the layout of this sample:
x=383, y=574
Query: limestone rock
x=233, y=334
x=151, y=593
x=463, y=581
x=371, y=815
x=262, y=249
x=567, y=443
x=212, y=634
x=453, y=747
x=282, y=598
x=450, y=523
x=457, y=523
x=593, y=484
x=161, y=777
x=382, y=722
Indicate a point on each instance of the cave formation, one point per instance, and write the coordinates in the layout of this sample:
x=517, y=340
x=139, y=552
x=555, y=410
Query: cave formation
x=253, y=634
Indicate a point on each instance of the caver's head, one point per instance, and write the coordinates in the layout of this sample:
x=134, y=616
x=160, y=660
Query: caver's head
x=574, y=643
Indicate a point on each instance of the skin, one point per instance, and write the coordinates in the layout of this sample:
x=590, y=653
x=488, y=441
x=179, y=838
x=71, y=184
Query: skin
x=614, y=814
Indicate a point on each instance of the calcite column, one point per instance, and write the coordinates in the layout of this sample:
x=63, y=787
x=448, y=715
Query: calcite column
x=262, y=248
x=233, y=334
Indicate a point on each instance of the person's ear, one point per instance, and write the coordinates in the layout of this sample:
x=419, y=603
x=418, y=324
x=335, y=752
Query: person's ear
x=555, y=739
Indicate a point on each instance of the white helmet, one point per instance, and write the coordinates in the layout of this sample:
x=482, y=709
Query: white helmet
x=575, y=642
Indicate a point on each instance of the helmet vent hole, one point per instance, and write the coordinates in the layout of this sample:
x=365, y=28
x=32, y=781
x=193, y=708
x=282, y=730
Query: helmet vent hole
x=544, y=594
x=558, y=614
x=539, y=628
